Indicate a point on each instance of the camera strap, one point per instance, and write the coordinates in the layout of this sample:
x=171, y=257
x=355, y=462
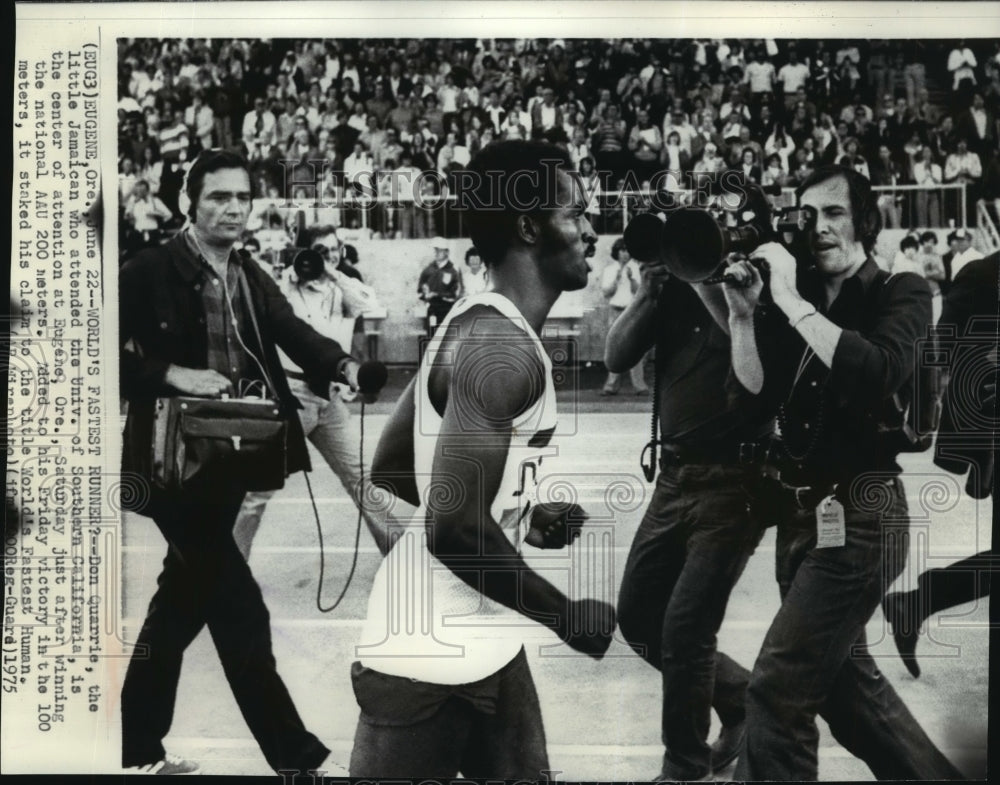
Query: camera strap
x=650, y=454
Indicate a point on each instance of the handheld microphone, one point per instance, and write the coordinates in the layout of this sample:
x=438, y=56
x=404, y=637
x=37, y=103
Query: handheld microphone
x=372, y=376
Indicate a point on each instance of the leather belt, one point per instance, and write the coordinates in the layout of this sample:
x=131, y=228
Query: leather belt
x=750, y=453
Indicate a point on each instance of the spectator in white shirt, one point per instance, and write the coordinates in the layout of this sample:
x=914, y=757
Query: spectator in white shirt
x=200, y=120
x=963, y=165
x=476, y=277
x=619, y=283
x=760, y=75
x=961, y=65
x=126, y=179
x=145, y=211
x=259, y=130
x=792, y=76
x=934, y=270
x=677, y=122
x=964, y=252
x=906, y=259
x=645, y=144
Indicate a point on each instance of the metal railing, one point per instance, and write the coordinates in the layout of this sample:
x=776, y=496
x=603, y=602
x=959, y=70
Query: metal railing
x=901, y=206
x=988, y=225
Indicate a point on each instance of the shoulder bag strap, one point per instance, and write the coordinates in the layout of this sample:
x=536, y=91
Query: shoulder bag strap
x=248, y=297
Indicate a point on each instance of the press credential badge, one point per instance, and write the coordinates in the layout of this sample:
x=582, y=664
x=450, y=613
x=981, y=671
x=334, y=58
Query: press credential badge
x=831, y=531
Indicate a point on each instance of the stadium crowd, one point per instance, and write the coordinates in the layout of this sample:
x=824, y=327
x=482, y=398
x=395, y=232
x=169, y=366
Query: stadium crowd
x=901, y=112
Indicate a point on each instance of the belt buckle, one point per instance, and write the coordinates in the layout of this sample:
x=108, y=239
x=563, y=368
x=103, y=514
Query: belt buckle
x=798, y=495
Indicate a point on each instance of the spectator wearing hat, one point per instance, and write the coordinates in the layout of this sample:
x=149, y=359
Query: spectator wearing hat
x=619, y=283
x=438, y=285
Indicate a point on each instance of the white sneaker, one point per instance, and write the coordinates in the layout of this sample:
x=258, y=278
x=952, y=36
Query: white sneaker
x=171, y=764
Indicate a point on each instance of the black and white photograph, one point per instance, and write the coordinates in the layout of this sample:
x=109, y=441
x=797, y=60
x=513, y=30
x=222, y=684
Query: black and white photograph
x=553, y=393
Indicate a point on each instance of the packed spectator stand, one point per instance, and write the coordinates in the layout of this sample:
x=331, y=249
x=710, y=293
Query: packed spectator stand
x=370, y=132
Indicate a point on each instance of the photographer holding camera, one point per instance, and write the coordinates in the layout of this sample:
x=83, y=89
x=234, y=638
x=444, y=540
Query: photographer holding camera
x=330, y=302
x=695, y=537
x=835, y=345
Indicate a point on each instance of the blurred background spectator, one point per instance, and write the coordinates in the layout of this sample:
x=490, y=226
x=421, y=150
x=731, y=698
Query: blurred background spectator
x=373, y=131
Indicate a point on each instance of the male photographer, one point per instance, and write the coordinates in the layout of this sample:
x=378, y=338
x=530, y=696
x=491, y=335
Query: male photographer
x=835, y=346
x=330, y=302
x=695, y=537
x=442, y=679
x=188, y=329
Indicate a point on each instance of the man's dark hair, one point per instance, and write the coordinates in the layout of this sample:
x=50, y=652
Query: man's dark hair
x=212, y=161
x=473, y=251
x=909, y=242
x=504, y=181
x=864, y=210
x=616, y=247
x=928, y=235
x=321, y=231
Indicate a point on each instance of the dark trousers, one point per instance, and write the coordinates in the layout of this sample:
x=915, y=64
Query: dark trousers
x=814, y=658
x=205, y=580
x=485, y=730
x=958, y=583
x=687, y=555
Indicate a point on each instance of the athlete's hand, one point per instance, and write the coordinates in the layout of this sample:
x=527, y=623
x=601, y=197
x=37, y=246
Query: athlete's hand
x=587, y=626
x=555, y=525
x=197, y=381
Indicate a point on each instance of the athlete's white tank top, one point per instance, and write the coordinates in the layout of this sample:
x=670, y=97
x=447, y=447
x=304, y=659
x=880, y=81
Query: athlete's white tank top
x=423, y=622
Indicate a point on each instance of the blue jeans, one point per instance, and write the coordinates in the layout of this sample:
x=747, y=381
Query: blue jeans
x=814, y=658
x=687, y=555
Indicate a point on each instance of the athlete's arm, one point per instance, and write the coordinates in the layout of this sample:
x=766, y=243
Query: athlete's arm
x=392, y=466
x=491, y=384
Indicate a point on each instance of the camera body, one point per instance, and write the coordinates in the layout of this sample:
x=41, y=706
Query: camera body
x=309, y=265
x=693, y=241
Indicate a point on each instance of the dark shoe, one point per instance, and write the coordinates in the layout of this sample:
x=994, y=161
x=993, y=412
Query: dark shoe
x=726, y=748
x=668, y=775
x=606, y=391
x=899, y=611
x=643, y=391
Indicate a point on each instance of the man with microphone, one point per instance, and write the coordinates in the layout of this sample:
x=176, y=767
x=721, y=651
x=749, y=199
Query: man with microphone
x=834, y=347
x=189, y=314
x=330, y=302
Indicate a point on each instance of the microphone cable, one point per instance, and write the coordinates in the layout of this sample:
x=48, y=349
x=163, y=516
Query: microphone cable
x=357, y=531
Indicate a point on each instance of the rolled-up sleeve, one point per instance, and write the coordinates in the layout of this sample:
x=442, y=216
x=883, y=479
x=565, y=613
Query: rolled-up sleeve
x=870, y=368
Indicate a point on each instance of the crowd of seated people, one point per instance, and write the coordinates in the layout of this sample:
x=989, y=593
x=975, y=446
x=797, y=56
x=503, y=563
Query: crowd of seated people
x=393, y=120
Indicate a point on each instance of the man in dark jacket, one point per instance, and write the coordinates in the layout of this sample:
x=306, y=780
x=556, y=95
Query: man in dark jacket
x=966, y=442
x=186, y=328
